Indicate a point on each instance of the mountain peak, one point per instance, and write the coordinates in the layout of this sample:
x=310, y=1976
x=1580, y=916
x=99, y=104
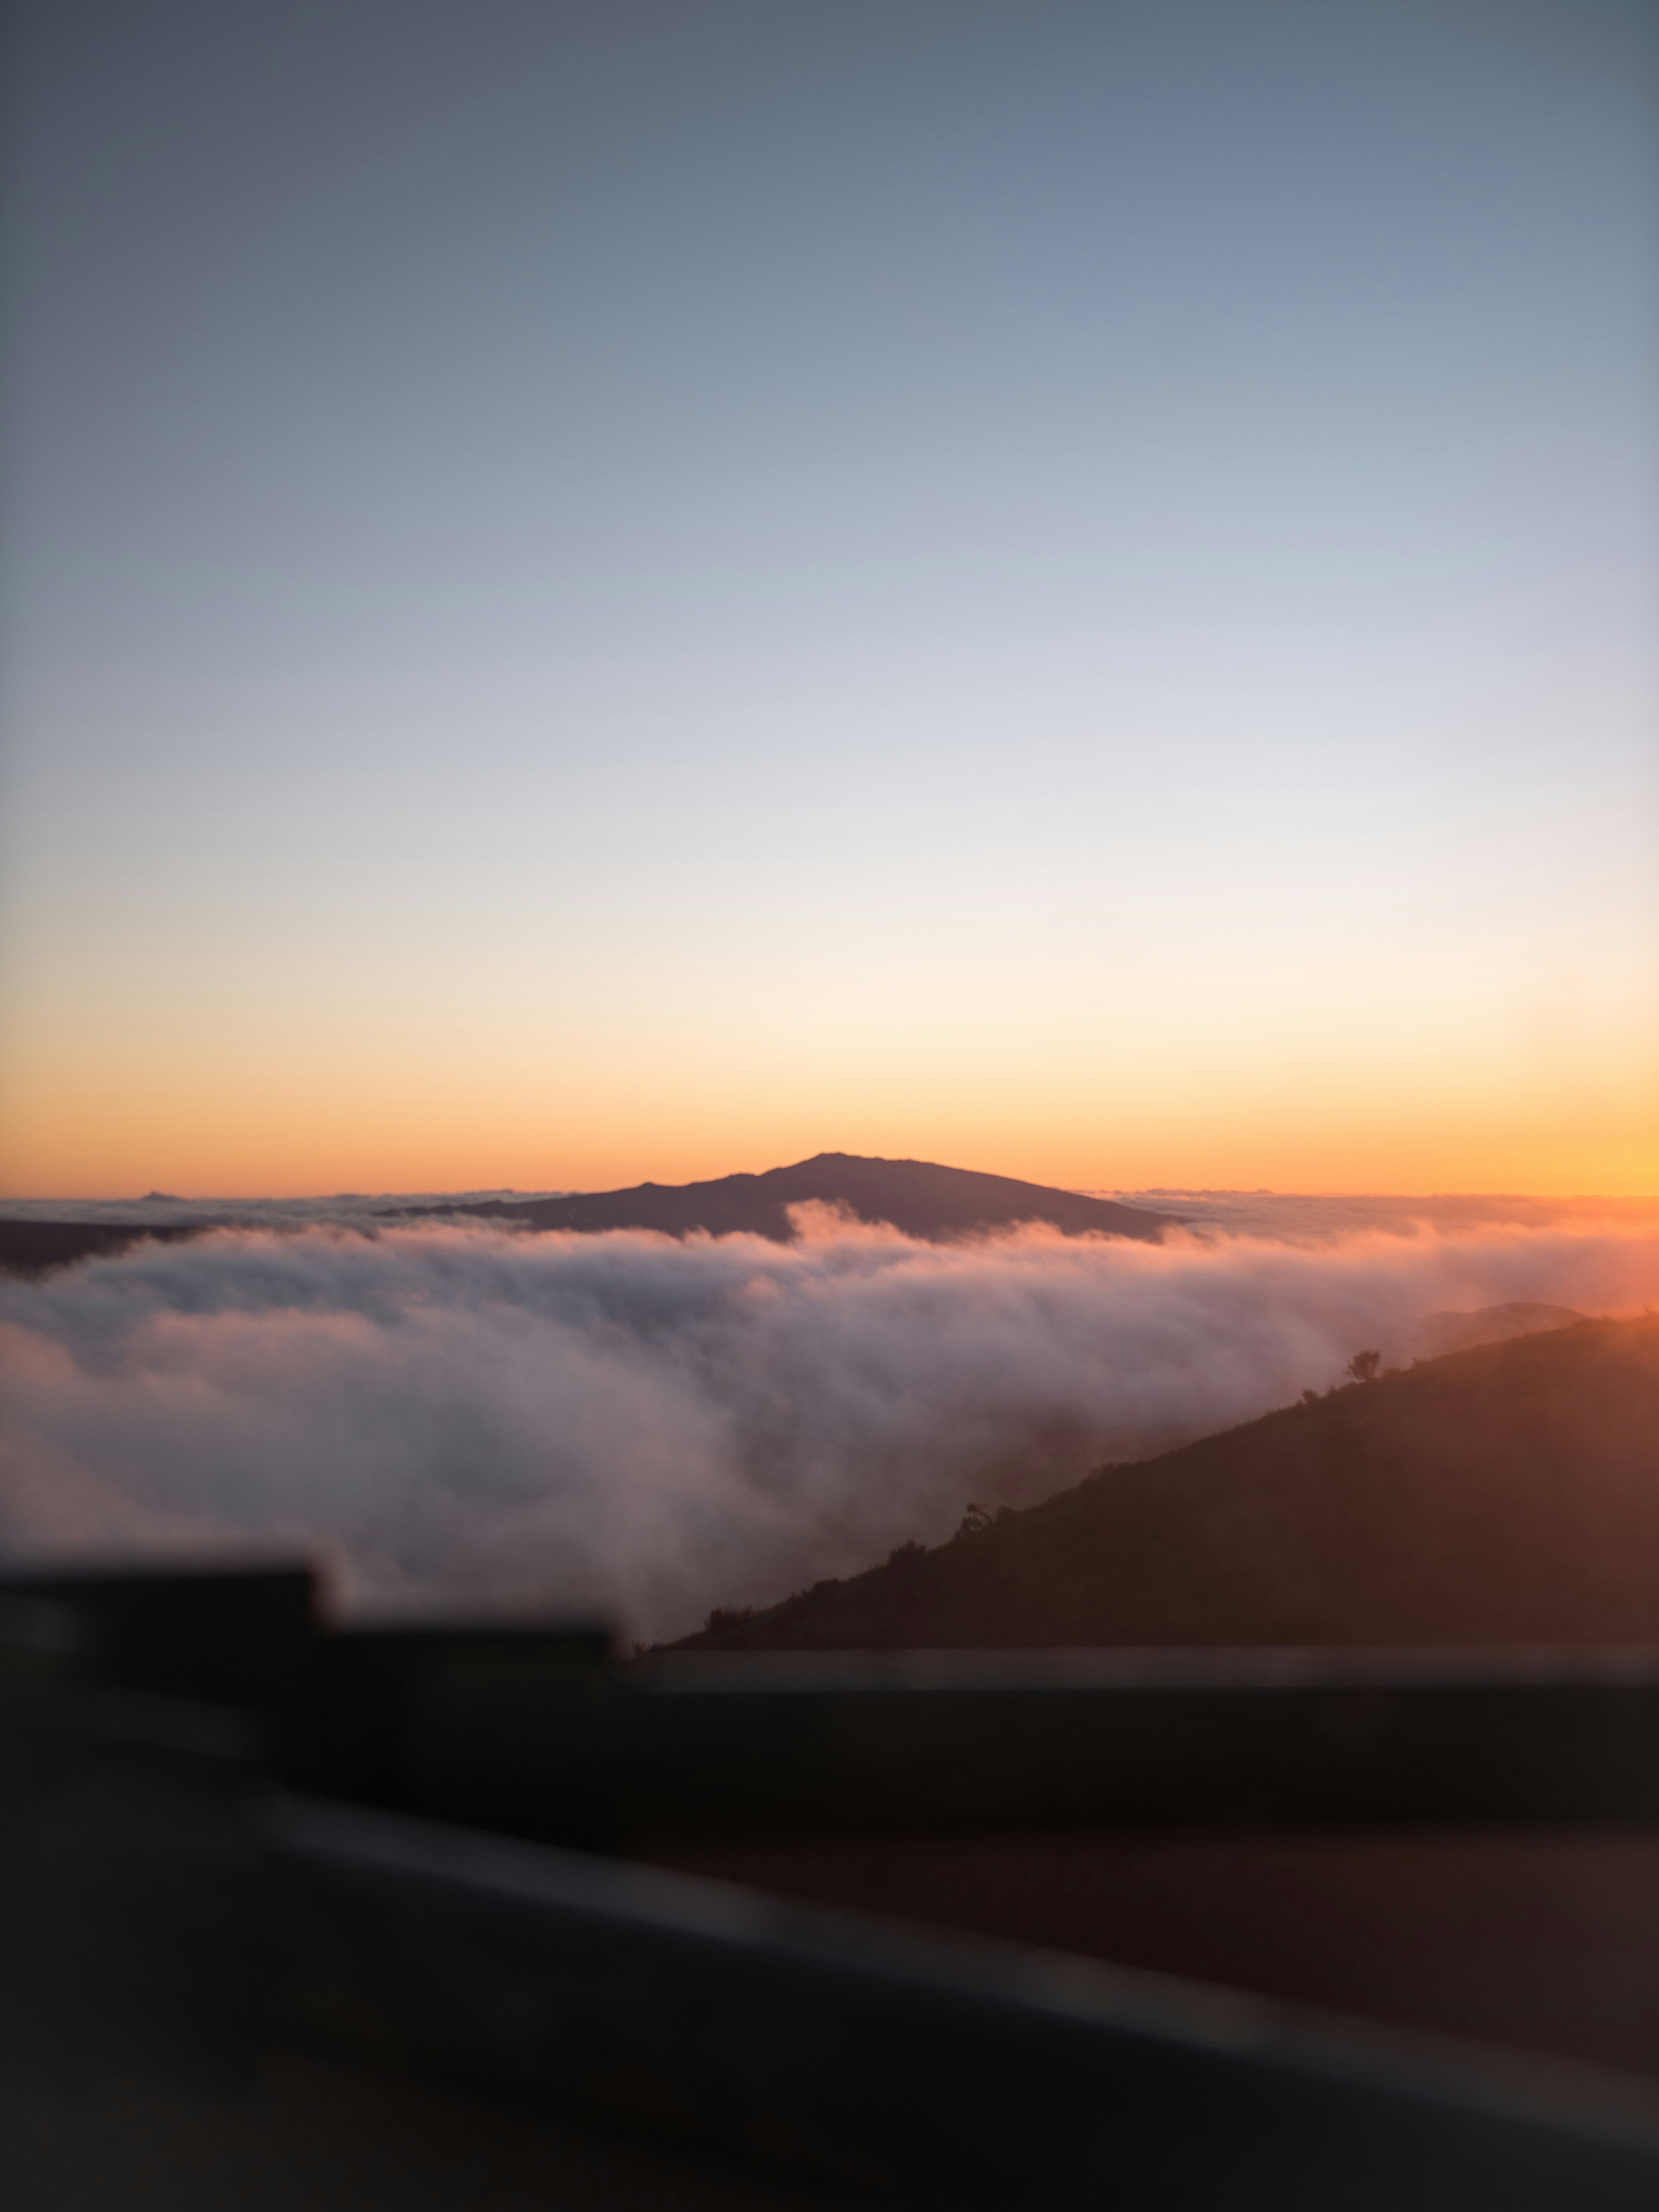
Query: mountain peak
x=919, y=1197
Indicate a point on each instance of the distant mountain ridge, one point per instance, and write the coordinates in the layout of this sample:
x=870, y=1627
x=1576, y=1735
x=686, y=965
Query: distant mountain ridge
x=1438, y=1333
x=1507, y=1494
x=917, y=1197
x=39, y=1248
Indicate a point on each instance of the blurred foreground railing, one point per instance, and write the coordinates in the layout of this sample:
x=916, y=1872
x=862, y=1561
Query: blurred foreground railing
x=226, y=1835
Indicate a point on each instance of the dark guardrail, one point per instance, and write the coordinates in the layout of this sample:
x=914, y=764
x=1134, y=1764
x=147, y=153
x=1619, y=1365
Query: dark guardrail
x=225, y=1832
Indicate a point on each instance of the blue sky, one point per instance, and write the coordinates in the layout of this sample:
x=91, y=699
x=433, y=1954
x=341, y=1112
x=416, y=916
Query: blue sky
x=594, y=591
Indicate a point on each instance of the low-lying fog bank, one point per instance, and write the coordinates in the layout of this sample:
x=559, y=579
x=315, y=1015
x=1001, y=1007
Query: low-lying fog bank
x=628, y=1426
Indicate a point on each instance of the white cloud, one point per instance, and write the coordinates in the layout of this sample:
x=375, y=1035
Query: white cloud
x=637, y=1428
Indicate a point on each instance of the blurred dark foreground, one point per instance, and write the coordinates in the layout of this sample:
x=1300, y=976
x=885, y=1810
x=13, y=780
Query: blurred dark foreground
x=474, y=1917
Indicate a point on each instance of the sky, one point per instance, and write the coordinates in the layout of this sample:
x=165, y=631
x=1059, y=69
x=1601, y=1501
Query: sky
x=601, y=592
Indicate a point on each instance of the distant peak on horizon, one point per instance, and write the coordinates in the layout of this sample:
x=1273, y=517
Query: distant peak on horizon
x=920, y=1198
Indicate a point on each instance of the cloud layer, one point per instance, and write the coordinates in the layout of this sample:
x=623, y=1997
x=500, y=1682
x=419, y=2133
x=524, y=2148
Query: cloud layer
x=637, y=1429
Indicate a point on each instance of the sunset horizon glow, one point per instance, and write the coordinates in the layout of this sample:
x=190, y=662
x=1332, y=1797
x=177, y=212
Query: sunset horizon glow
x=593, y=595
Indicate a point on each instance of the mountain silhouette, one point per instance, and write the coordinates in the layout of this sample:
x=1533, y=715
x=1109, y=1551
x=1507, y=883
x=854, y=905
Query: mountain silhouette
x=923, y=1200
x=1509, y=1494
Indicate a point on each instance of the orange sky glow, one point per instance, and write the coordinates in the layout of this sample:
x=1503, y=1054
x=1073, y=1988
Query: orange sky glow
x=640, y=598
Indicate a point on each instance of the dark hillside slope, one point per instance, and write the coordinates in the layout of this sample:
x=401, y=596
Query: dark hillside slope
x=922, y=1199
x=1508, y=1494
x=36, y=1248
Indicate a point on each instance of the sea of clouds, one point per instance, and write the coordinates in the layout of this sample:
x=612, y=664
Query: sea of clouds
x=469, y=1418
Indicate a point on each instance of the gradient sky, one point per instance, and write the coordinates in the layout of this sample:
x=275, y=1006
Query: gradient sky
x=606, y=591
